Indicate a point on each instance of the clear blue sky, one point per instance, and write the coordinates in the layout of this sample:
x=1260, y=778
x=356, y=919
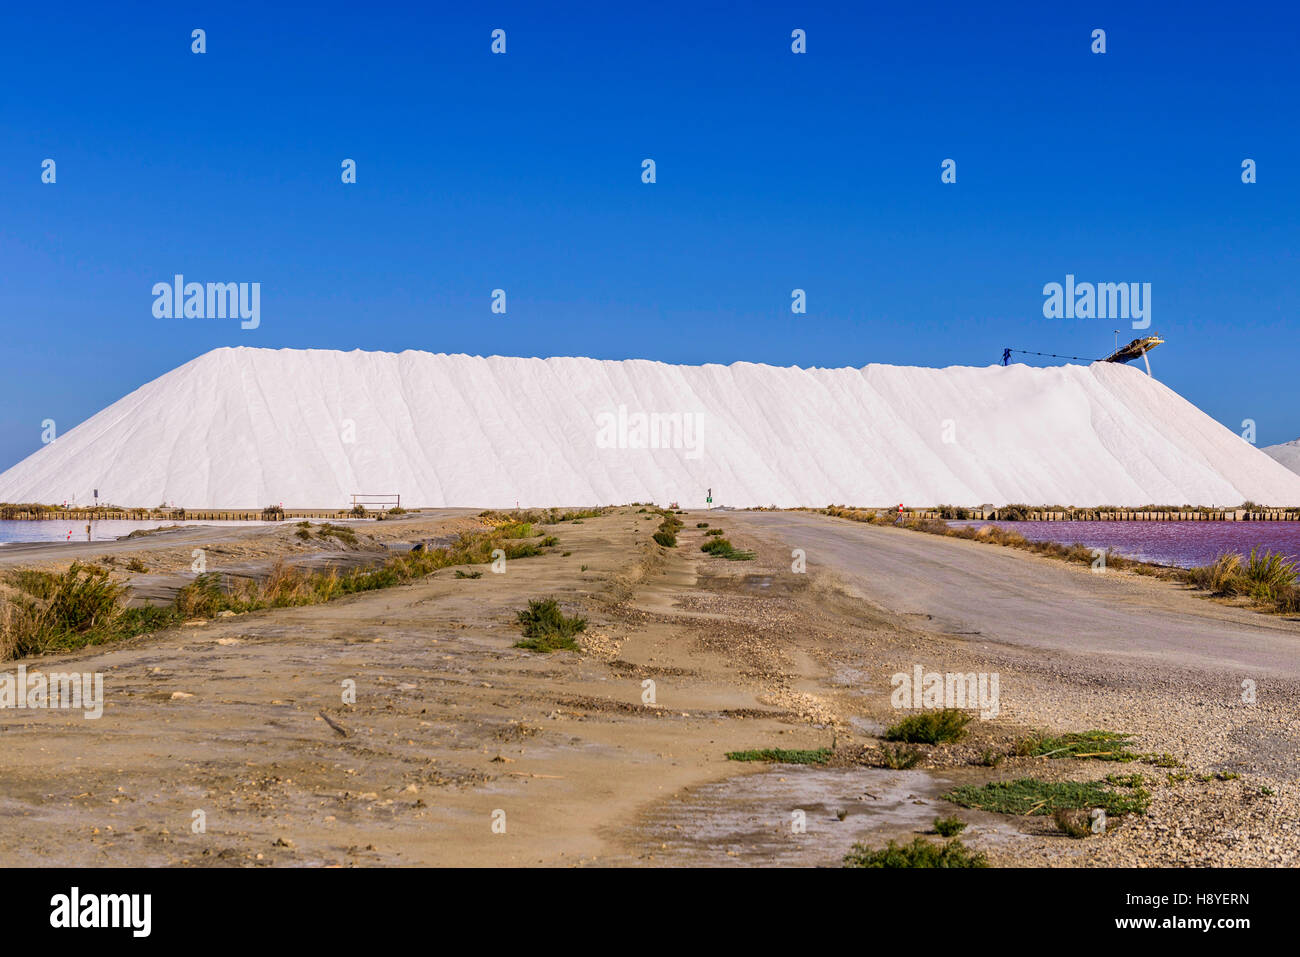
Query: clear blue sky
x=775, y=171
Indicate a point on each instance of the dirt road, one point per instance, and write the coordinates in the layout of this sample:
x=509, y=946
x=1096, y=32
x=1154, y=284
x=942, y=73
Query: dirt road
x=461, y=749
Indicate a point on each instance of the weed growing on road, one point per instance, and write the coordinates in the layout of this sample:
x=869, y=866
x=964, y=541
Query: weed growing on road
x=930, y=727
x=1096, y=745
x=546, y=628
x=782, y=756
x=899, y=758
x=551, y=516
x=721, y=548
x=668, y=528
x=920, y=853
x=1034, y=796
x=1074, y=822
x=949, y=826
x=1102, y=745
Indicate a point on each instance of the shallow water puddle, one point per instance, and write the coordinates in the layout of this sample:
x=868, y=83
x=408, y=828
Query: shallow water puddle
x=749, y=819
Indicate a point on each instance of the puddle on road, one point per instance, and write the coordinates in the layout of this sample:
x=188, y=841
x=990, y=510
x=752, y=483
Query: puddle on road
x=746, y=820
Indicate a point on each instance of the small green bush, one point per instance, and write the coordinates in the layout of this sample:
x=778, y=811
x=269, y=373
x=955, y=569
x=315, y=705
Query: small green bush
x=899, y=758
x=920, y=853
x=546, y=628
x=949, y=826
x=722, y=548
x=930, y=727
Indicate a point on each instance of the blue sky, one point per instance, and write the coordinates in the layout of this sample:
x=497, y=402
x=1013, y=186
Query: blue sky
x=775, y=171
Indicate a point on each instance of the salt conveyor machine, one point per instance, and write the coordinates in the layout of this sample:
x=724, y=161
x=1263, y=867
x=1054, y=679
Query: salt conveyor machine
x=1136, y=349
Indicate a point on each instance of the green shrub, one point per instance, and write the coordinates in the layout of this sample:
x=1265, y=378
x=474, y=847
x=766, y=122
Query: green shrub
x=202, y=598
x=342, y=532
x=69, y=610
x=899, y=758
x=1269, y=573
x=1221, y=577
x=546, y=628
x=59, y=612
x=82, y=598
x=949, y=826
x=930, y=727
x=920, y=853
x=722, y=548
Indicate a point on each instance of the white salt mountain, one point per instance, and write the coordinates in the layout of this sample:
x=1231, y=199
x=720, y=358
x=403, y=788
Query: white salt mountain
x=246, y=428
x=1288, y=454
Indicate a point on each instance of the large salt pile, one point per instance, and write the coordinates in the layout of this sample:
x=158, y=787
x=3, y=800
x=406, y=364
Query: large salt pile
x=245, y=428
x=1288, y=454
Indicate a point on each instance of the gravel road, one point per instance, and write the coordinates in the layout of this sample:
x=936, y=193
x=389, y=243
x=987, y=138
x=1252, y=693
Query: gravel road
x=1013, y=597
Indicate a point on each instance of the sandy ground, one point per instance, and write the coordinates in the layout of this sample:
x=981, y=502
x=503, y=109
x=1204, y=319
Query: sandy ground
x=461, y=749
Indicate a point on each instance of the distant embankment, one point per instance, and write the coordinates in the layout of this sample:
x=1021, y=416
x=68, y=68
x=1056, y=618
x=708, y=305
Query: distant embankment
x=1023, y=513
x=1010, y=513
x=22, y=513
